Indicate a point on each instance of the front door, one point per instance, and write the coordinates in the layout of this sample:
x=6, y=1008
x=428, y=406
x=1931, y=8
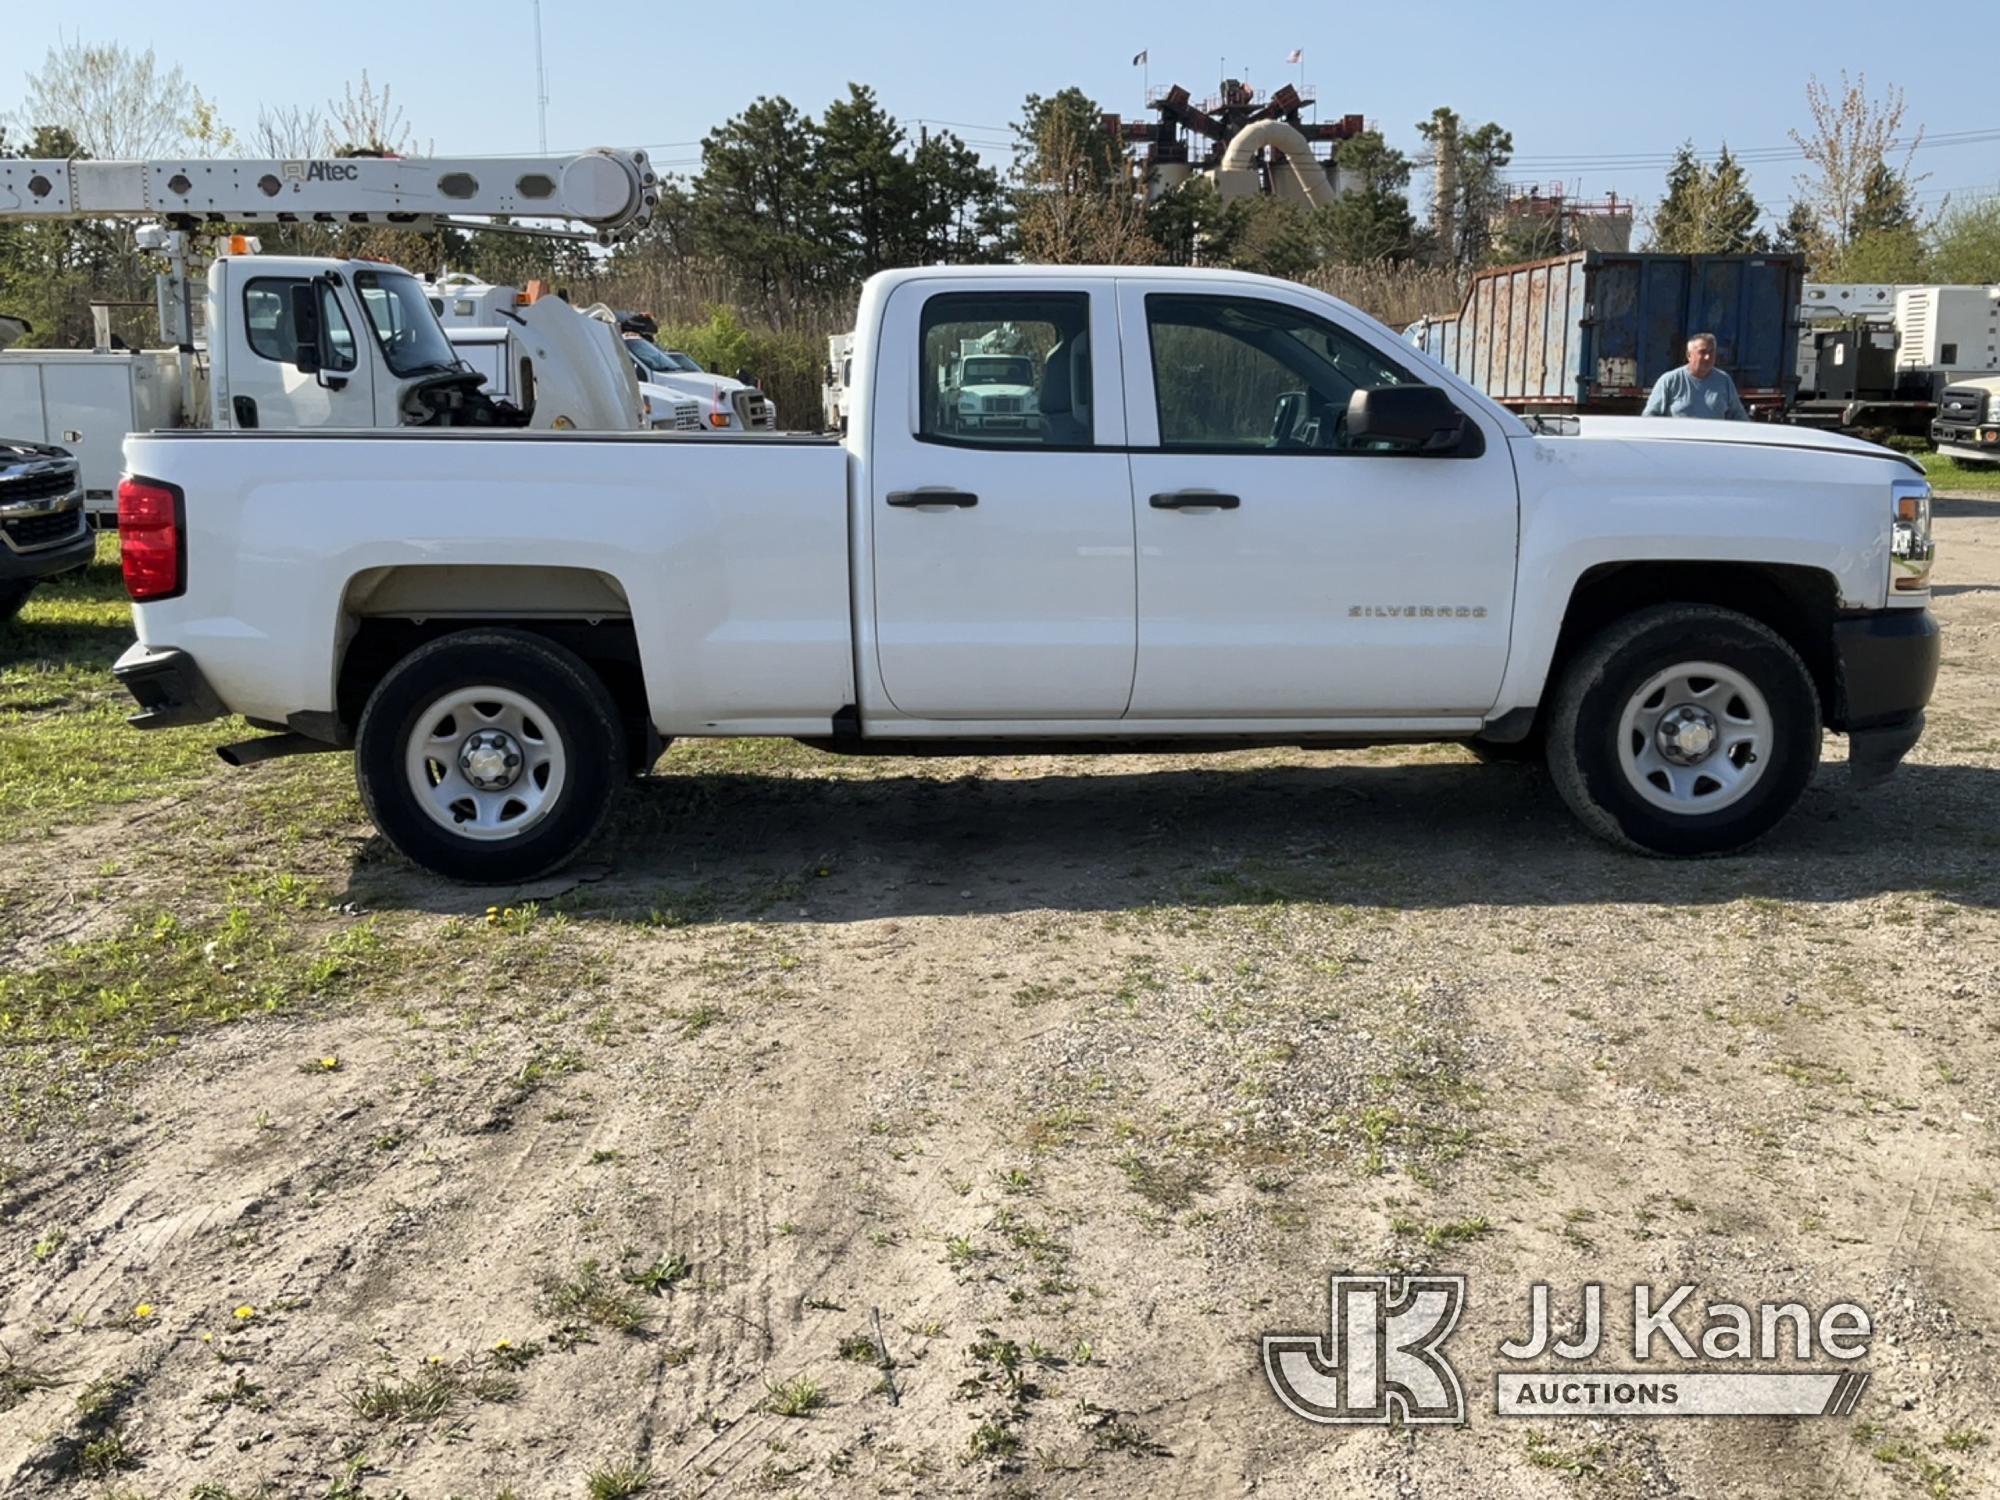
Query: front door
x=266, y=389
x=1326, y=578
x=1000, y=503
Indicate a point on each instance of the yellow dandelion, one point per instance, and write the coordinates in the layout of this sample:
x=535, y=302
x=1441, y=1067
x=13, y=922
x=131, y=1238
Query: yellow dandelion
x=245, y=1313
x=208, y=1338
x=329, y=1063
x=503, y=1344
x=143, y=1310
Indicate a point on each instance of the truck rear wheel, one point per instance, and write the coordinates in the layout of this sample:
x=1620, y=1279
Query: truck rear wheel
x=489, y=756
x=1685, y=729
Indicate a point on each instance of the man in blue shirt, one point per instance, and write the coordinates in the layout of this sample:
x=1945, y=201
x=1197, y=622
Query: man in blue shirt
x=1697, y=389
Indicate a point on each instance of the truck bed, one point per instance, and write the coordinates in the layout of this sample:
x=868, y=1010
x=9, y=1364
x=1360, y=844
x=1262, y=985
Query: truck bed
x=734, y=551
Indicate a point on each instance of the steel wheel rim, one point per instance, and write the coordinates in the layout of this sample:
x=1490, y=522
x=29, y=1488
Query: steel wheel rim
x=1660, y=738
x=468, y=788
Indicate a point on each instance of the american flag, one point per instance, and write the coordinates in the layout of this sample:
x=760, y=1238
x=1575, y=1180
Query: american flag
x=1296, y=55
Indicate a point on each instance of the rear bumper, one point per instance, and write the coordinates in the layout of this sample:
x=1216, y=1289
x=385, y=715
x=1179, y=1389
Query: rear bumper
x=1887, y=662
x=169, y=688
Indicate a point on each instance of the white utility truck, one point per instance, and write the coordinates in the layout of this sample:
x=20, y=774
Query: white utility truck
x=280, y=347
x=726, y=403
x=839, y=379
x=1327, y=540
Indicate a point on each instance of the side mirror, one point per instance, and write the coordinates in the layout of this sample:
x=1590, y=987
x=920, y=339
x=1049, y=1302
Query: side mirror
x=1404, y=419
x=306, y=328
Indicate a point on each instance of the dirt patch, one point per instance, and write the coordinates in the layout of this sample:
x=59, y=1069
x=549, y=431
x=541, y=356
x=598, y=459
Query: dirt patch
x=1070, y=1078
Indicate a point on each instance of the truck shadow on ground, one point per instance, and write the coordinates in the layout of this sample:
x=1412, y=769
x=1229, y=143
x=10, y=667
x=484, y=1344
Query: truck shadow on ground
x=736, y=847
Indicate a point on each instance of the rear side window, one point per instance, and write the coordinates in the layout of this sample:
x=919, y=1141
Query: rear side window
x=1007, y=370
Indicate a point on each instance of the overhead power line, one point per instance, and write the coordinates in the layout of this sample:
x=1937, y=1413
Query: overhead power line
x=1750, y=154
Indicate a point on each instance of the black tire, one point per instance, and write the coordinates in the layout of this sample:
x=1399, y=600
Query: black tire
x=568, y=701
x=1584, y=730
x=13, y=596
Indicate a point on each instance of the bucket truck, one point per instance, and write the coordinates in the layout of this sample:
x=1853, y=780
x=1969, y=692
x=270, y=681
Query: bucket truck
x=294, y=341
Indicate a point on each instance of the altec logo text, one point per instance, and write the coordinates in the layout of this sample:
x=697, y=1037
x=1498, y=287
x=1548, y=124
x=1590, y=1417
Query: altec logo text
x=320, y=171
x=1382, y=1357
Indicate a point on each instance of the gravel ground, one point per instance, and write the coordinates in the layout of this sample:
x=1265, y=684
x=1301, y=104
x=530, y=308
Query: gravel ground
x=1060, y=1081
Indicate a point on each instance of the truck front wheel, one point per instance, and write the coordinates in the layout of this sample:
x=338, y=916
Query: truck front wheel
x=489, y=756
x=1684, y=729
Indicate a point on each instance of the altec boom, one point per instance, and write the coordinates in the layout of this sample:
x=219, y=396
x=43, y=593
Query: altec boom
x=611, y=191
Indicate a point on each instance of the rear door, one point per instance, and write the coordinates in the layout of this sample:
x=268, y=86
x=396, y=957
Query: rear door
x=1001, y=516
x=265, y=388
x=1284, y=571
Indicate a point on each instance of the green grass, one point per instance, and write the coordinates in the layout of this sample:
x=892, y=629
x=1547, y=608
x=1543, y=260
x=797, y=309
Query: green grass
x=65, y=749
x=1950, y=474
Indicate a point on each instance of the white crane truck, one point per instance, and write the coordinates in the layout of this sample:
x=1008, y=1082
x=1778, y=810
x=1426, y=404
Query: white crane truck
x=1246, y=513
x=298, y=342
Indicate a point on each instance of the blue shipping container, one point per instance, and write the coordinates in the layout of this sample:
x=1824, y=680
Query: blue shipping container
x=1592, y=331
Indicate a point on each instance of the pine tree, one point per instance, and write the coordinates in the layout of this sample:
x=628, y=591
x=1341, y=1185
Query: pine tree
x=869, y=187
x=758, y=205
x=1371, y=219
x=1707, y=210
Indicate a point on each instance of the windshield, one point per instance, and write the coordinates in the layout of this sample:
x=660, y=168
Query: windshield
x=992, y=370
x=665, y=361
x=412, y=340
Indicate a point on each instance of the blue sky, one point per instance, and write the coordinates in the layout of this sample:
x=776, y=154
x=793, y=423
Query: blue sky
x=1576, y=85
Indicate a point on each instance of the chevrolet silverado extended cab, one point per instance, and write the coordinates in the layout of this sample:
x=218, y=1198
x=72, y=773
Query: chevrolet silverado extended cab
x=1245, y=513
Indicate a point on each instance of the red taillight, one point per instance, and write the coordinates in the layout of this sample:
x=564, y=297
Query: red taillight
x=149, y=539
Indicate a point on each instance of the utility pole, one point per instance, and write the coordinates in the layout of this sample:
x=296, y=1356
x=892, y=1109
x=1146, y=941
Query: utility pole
x=541, y=82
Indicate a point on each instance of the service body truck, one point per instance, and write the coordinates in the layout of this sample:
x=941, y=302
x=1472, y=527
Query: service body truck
x=1325, y=539
x=290, y=341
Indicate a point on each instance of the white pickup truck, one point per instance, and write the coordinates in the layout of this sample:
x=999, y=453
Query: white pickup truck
x=1246, y=514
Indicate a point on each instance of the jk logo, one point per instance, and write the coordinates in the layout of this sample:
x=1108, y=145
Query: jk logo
x=1379, y=1360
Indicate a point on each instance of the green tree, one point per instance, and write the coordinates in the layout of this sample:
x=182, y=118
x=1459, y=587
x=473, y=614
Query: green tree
x=1371, y=219
x=1885, y=203
x=51, y=270
x=1191, y=225
x=1965, y=245
x=1067, y=210
x=1467, y=192
x=758, y=205
x=1800, y=233
x=1090, y=154
x=1878, y=255
x=1860, y=185
x=1277, y=239
x=961, y=212
x=870, y=186
x=1708, y=210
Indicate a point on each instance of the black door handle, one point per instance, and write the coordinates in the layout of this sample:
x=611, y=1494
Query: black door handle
x=909, y=499
x=1195, y=500
x=246, y=411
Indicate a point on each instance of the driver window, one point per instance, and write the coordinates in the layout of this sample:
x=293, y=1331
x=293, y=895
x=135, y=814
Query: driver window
x=1238, y=373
